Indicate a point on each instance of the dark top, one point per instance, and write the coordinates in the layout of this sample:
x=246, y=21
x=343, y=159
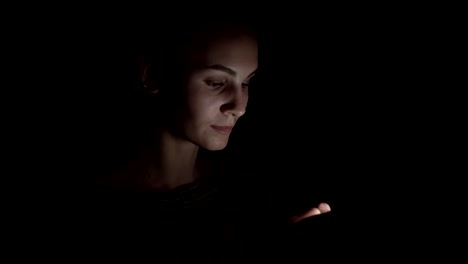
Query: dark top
x=194, y=222
x=205, y=221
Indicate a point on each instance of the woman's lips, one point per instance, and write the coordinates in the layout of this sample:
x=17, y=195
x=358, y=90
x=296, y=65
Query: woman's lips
x=225, y=130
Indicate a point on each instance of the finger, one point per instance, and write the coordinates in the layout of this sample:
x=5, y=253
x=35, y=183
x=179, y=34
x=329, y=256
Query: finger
x=324, y=208
x=312, y=212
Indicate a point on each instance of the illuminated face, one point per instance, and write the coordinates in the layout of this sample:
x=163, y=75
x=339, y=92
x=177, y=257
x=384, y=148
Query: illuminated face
x=216, y=89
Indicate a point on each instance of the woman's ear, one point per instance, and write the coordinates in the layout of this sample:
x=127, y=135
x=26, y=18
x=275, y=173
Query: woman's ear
x=146, y=79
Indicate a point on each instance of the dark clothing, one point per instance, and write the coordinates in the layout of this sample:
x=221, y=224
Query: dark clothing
x=207, y=222
x=194, y=222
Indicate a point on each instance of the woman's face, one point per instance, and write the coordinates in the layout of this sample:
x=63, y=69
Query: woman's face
x=216, y=89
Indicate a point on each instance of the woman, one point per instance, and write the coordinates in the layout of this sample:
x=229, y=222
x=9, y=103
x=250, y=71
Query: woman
x=197, y=81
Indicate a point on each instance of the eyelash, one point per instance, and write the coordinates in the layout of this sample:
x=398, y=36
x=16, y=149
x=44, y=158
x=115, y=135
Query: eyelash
x=216, y=85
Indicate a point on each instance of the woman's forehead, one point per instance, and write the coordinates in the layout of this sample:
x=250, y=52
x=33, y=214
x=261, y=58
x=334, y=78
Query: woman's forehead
x=197, y=43
x=206, y=36
x=238, y=51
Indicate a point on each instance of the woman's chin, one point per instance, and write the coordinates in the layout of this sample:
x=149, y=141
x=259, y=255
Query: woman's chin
x=216, y=145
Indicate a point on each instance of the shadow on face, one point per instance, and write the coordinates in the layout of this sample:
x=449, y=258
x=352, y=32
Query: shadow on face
x=216, y=88
x=217, y=69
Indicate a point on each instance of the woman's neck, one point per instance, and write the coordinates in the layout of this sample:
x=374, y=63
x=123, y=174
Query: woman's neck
x=171, y=162
x=164, y=163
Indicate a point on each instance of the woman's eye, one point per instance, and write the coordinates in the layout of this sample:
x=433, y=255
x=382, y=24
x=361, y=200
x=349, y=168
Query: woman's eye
x=214, y=84
x=245, y=85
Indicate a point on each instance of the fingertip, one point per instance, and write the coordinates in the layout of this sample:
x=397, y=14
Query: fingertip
x=324, y=208
x=312, y=212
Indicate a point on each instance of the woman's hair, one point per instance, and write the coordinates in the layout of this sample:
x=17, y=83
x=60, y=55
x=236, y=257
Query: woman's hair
x=137, y=112
x=165, y=48
x=164, y=52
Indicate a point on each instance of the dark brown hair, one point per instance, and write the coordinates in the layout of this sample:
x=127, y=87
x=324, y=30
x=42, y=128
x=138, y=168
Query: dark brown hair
x=165, y=48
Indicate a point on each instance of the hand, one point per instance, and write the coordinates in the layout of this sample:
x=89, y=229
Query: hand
x=320, y=209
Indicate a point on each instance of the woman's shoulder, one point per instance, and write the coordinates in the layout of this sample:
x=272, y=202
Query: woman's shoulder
x=124, y=177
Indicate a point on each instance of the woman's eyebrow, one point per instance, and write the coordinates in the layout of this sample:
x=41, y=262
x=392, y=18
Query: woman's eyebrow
x=220, y=67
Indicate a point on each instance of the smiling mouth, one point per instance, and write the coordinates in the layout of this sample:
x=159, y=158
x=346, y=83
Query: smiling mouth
x=225, y=130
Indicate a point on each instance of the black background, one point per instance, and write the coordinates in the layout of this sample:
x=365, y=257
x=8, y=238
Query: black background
x=336, y=110
x=321, y=116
